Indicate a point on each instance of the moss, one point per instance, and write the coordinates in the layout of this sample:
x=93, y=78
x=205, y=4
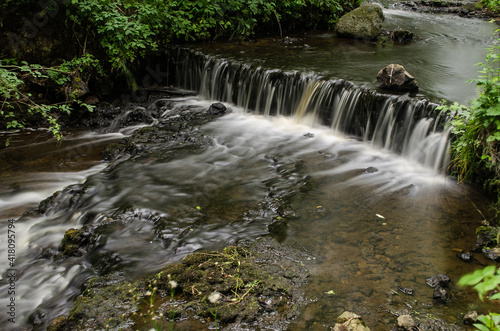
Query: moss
x=108, y=301
x=251, y=283
x=364, y=22
x=58, y=324
x=77, y=241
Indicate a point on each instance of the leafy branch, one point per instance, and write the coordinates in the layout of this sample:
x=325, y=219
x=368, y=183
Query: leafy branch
x=18, y=104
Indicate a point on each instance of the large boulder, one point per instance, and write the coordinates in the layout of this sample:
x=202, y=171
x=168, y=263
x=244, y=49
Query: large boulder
x=364, y=22
x=394, y=77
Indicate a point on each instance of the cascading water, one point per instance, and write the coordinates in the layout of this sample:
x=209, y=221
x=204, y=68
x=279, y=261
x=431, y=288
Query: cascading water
x=317, y=153
x=402, y=125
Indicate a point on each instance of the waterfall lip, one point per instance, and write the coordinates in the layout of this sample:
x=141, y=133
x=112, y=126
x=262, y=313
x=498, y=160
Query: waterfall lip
x=384, y=119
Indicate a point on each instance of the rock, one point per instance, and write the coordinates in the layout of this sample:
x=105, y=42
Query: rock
x=76, y=242
x=406, y=322
x=58, y=324
x=402, y=36
x=351, y=322
x=438, y=280
x=395, y=77
x=492, y=253
x=217, y=108
x=364, y=22
x=370, y=170
x=91, y=100
x=470, y=318
x=406, y=290
x=465, y=256
x=486, y=236
x=136, y=116
x=441, y=283
x=442, y=294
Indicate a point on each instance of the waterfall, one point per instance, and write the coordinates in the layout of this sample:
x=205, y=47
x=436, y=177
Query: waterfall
x=400, y=124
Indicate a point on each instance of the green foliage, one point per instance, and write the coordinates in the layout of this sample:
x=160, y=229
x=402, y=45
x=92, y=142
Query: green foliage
x=17, y=104
x=476, y=128
x=493, y=5
x=129, y=28
x=485, y=281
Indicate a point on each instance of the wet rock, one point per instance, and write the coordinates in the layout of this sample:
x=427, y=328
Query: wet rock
x=37, y=318
x=486, y=236
x=370, y=170
x=44, y=205
x=137, y=116
x=217, y=109
x=259, y=285
x=402, y=36
x=364, y=22
x=457, y=7
x=442, y=293
x=470, y=318
x=406, y=290
x=77, y=242
x=432, y=323
x=394, y=77
x=407, y=190
x=105, y=263
x=465, y=256
x=350, y=322
x=492, y=253
x=406, y=322
x=58, y=324
x=438, y=280
x=278, y=228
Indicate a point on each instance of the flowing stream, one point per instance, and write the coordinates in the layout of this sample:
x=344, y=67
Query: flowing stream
x=362, y=173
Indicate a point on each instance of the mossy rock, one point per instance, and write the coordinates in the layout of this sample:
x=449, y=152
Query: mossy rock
x=364, y=22
x=254, y=287
x=77, y=242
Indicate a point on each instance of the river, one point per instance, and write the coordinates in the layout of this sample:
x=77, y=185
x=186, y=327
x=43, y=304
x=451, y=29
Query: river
x=370, y=202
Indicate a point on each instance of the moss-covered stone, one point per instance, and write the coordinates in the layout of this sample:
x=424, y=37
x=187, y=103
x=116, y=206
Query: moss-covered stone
x=364, y=22
x=251, y=286
x=77, y=241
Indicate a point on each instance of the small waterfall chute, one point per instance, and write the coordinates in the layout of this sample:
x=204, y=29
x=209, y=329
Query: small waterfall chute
x=399, y=124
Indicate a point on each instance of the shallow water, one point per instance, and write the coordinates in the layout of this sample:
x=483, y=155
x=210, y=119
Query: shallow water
x=374, y=221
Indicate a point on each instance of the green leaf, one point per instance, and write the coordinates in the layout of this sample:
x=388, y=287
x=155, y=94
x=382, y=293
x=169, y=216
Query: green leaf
x=481, y=327
x=476, y=276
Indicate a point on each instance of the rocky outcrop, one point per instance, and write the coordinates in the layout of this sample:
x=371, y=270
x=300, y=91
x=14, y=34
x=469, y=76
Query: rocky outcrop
x=364, y=22
x=394, y=77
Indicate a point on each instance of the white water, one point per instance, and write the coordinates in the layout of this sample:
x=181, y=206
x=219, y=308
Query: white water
x=50, y=168
x=242, y=143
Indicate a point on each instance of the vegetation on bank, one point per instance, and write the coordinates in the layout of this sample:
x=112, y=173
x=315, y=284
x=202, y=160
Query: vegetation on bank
x=114, y=35
x=476, y=128
x=493, y=5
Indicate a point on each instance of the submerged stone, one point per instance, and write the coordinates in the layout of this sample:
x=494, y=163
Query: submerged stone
x=406, y=322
